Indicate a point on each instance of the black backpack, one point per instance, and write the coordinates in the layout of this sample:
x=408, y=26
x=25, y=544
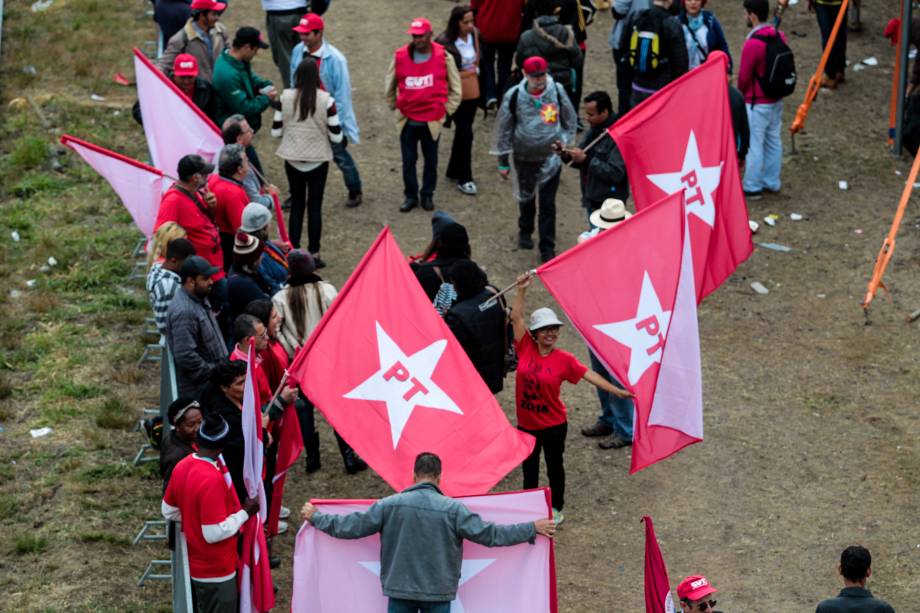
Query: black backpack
x=779, y=78
x=645, y=55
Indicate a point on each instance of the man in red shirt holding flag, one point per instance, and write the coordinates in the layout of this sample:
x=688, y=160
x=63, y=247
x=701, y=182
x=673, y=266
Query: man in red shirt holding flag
x=423, y=87
x=201, y=496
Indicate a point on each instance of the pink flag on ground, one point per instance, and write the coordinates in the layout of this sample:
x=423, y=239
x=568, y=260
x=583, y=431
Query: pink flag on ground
x=393, y=381
x=343, y=576
x=638, y=314
x=174, y=126
x=255, y=579
x=657, y=587
x=681, y=139
x=139, y=186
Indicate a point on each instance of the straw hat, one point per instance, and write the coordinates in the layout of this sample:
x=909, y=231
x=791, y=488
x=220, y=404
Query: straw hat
x=612, y=212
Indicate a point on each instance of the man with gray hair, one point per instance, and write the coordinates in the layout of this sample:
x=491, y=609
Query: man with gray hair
x=236, y=130
x=227, y=187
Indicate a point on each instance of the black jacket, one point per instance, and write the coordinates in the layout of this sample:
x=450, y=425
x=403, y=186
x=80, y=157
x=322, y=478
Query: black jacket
x=172, y=450
x=556, y=44
x=203, y=97
x=603, y=173
x=672, y=51
x=243, y=288
x=234, y=449
x=431, y=275
x=482, y=336
x=854, y=600
x=739, y=122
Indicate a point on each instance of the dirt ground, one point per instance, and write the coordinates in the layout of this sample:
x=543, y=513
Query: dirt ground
x=810, y=413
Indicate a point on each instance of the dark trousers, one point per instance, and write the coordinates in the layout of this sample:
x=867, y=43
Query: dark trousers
x=411, y=137
x=460, y=165
x=624, y=83
x=220, y=597
x=400, y=605
x=552, y=441
x=307, y=190
x=545, y=194
x=306, y=413
x=282, y=39
x=496, y=67
x=346, y=164
x=837, y=60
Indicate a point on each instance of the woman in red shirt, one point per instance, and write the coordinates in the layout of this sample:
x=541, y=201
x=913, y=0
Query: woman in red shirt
x=540, y=372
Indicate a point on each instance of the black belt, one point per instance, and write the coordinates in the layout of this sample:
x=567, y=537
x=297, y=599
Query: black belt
x=286, y=12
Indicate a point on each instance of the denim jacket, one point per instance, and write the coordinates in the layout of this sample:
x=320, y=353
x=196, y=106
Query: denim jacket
x=333, y=72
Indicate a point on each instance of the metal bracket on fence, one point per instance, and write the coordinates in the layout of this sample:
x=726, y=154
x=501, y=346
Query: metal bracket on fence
x=141, y=456
x=149, y=573
x=150, y=326
x=152, y=353
x=139, y=271
x=147, y=532
x=139, y=248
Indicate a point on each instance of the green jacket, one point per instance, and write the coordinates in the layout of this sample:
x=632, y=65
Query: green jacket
x=237, y=90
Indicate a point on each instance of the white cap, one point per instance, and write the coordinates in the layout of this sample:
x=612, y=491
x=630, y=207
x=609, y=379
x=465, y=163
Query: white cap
x=543, y=317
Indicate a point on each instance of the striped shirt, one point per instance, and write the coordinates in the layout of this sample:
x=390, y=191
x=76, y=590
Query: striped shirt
x=162, y=285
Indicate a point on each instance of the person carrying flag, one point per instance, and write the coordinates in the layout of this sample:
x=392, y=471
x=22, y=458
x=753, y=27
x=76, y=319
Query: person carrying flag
x=540, y=411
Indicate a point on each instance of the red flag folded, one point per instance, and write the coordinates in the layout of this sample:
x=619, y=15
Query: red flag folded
x=257, y=593
x=640, y=320
x=289, y=448
x=393, y=381
x=174, y=126
x=681, y=139
x=139, y=186
x=657, y=587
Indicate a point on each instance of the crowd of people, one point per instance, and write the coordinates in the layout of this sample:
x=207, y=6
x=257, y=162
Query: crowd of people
x=220, y=284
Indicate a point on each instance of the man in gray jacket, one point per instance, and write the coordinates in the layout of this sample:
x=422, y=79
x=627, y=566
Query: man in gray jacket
x=191, y=328
x=421, y=538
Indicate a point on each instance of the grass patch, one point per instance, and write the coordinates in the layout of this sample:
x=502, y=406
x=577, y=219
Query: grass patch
x=28, y=153
x=26, y=544
x=114, y=414
x=9, y=508
x=112, y=470
x=108, y=538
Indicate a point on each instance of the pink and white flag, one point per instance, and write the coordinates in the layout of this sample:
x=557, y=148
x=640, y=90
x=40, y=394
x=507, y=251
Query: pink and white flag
x=255, y=579
x=139, y=186
x=343, y=576
x=174, y=126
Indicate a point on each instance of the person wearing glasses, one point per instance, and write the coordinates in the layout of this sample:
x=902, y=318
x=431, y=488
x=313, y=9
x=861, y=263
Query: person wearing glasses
x=695, y=594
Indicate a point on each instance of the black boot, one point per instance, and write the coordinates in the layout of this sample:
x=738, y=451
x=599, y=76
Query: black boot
x=353, y=464
x=311, y=451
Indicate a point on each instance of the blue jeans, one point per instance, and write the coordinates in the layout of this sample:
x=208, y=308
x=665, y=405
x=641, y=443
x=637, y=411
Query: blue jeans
x=615, y=412
x=410, y=139
x=398, y=605
x=347, y=165
x=765, y=155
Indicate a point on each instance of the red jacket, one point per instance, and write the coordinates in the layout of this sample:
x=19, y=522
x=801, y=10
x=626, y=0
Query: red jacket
x=499, y=21
x=196, y=220
x=231, y=200
x=753, y=64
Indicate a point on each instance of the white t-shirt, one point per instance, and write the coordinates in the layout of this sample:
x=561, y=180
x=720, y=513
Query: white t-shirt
x=467, y=49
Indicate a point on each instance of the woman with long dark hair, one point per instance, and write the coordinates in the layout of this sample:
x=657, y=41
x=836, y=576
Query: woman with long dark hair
x=461, y=40
x=309, y=122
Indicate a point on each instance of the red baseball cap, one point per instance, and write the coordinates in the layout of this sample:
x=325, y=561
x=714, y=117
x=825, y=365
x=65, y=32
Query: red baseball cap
x=535, y=66
x=310, y=22
x=185, y=65
x=207, y=5
x=419, y=27
x=695, y=587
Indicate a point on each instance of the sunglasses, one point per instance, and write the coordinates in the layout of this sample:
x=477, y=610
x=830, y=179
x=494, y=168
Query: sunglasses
x=708, y=605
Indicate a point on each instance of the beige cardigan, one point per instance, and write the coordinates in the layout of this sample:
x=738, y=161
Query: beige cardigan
x=287, y=332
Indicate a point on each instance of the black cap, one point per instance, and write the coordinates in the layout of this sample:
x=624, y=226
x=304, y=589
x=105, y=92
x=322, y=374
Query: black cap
x=213, y=432
x=192, y=165
x=249, y=36
x=195, y=265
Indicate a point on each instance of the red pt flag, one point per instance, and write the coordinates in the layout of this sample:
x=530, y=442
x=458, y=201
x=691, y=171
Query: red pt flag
x=657, y=586
x=681, y=139
x=393, y=381
x=639, y=317
x=139, y=186
x=174, y=126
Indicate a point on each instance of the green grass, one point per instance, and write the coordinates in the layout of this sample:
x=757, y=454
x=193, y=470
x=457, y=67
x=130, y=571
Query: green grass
x=115, y=414
x=26, y=544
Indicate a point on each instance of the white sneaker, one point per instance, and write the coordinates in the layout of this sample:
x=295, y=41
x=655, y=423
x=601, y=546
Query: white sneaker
x=283, y=527
x=285, y=512
x=468, y=188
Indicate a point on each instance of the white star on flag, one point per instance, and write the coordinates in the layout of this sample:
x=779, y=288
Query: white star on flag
x=404, y=382
x=468, y=570
x=644, y=334
x=697, y=181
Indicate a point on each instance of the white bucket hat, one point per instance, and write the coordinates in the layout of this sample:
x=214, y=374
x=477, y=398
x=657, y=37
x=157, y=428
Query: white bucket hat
x=612, y=212
x=542, y=318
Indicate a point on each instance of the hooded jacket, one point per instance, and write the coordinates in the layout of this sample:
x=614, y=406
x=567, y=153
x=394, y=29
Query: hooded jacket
x=556, y=44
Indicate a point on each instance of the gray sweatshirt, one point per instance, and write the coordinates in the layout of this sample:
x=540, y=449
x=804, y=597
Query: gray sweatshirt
x=536, y=123
x=421, y=540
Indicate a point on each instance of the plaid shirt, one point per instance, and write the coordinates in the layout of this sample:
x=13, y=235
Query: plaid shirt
x=162, y=285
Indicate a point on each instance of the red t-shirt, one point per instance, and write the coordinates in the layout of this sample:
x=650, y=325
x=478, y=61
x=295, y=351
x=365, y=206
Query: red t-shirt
x=537, y=384
x=198, y=489
x=231, y=200
x=199, y=227
x=260, y=381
